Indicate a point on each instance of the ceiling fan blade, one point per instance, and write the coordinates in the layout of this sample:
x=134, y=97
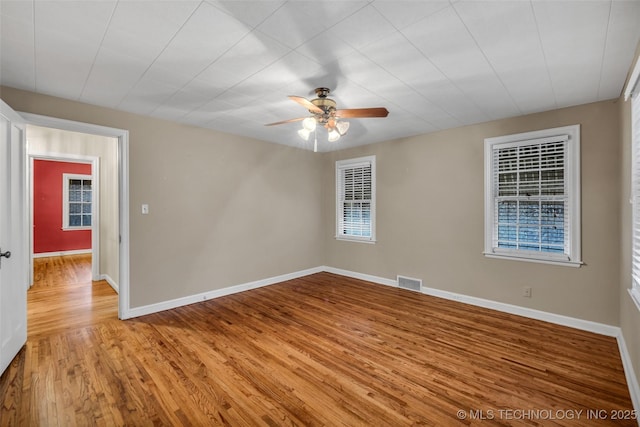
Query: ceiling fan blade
x=286, y=121
x=362, y=112
x=306, y=104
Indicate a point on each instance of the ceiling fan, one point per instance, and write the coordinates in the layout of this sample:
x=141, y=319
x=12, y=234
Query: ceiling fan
x=324, y=113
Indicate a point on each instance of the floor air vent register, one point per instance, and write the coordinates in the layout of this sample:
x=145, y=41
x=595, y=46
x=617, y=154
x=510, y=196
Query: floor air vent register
x=410, y=283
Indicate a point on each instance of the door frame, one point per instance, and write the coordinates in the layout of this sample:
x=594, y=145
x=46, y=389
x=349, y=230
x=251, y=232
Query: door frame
x=122, y=135
x=95, y=223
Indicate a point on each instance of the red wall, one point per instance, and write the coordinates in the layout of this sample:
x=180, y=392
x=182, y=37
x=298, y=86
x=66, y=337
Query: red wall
x=47, y=208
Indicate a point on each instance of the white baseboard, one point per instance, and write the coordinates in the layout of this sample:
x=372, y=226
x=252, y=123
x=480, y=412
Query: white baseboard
x=629, y=372
x=111, y=282
x=179, y=302
x=558, y=319
x=585, y=325
x=361, y=276
x=62, y=253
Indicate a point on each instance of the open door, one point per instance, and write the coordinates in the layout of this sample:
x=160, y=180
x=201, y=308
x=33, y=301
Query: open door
x=13, y=254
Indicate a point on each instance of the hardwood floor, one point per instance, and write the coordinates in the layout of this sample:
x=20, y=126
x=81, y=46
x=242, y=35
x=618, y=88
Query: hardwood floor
x=63, y=297
x=319, y=350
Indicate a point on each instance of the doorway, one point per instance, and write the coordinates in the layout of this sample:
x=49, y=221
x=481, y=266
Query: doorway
x=111, y=247
x=60, y=224
x=65, y=203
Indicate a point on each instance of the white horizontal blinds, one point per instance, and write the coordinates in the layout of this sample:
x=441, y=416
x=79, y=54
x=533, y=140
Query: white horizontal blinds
x=355, y=199
x=79, y=202
x=635, y=184
x=531, y=198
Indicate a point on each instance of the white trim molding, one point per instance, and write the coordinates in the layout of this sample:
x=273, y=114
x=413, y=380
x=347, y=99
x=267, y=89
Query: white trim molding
x=633, y=81
x=111, y=282
x=217, y=293
x=366, y=277
x=629, y=372
x=585, y=325
x=66, y=182
x=564, y=141
x=362, y=164
x=558, y=319
x=62, y=253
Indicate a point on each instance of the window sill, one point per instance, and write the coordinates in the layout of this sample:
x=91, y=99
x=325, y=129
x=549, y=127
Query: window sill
x=575, y=264
x=75, y=228
x=635, y=296
x=355, y=239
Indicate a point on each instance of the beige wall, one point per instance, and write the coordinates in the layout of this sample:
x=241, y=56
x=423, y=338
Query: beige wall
x=224, y=210
x=46, y=141
x=629, y=313
x=430, y=217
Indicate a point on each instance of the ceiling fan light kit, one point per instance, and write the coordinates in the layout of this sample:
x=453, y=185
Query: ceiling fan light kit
x=324, y=113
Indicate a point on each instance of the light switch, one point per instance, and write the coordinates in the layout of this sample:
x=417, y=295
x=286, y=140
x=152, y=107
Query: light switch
x=145, y=209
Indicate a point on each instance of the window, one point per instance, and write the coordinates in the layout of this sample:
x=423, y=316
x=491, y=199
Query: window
x=532, y=196
x=77, y=198
x=633, y=91
x=356, y=199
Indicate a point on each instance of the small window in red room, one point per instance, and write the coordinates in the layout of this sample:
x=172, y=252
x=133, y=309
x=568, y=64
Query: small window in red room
x=77, y=202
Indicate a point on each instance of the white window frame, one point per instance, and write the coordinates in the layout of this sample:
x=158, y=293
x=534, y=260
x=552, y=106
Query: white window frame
x=66, y=178
x=633, y=91
x=572, y=252
x=342, y=165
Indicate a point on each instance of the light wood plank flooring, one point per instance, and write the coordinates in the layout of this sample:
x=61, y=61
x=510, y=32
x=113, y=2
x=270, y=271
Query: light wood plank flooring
x=320, y=350
x=63, y=297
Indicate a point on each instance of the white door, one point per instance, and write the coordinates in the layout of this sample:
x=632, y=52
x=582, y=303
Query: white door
x=13, y=259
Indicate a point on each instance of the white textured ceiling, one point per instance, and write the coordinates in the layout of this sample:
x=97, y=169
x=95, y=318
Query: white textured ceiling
x=229, y=65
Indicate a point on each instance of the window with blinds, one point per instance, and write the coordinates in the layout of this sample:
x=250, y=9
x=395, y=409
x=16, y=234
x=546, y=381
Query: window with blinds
x=77, y=201
x=531, y=195
x=635, y=188
x=355, y=199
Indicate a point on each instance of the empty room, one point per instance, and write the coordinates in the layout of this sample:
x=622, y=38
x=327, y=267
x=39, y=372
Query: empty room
x=336, y=213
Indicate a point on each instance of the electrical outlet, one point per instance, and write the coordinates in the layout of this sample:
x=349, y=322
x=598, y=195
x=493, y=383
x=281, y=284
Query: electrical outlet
x=145, y=209
x=526, y=292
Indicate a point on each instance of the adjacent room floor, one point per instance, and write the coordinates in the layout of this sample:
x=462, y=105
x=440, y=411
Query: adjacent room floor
x=319, y=350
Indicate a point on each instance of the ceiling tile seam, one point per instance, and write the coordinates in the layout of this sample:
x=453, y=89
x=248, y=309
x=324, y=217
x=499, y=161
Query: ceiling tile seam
x=369, y=3
x=160, y=53
x=209, y=2
x=252, y=30
x=405, y=83
x=413, y=90
x=425, y=56
x=93, y=63
x=544, y=55
x=324, y=31
x=230, y=87
x=484, y=55
x=604, y=51
x=446, y=78
x=35, y=68
x=373, y=3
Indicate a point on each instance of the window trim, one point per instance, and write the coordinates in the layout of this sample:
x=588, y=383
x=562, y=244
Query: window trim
x=572, y=177
x=66, y=177
x=632, y=94
x=344, y=164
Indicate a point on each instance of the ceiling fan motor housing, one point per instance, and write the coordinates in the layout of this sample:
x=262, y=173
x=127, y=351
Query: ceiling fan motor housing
x=325, y=104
